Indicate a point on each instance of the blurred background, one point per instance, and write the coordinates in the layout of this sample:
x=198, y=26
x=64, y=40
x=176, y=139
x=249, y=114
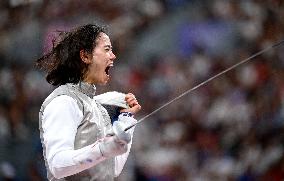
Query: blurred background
x=230, y=129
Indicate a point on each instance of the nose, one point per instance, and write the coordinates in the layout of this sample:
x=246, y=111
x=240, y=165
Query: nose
x=113, y=57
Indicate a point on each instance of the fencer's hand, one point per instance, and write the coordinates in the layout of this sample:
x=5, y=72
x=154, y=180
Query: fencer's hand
x=134, y=106
x=111, y=146
x=116, y=142
x=118, y=129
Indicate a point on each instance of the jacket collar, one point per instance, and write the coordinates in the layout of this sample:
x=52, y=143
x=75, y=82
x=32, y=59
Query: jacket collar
x=86, y=88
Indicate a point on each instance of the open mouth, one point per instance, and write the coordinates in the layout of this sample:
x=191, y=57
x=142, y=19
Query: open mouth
x=107, y=69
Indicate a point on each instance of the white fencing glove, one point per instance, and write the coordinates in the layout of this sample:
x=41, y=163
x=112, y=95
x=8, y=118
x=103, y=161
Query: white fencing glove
x=111, y=146
x=125, y=119
x=117, y=143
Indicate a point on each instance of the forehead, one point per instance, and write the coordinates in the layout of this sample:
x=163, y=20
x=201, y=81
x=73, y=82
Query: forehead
x=102, y=40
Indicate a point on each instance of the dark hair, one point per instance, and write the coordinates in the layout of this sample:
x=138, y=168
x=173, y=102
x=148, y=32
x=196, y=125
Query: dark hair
x=63, y=63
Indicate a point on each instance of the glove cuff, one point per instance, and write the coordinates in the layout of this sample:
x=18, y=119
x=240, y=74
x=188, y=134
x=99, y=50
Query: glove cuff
x=128, y=114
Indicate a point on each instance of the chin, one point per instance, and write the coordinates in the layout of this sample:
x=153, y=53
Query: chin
x=104, y=82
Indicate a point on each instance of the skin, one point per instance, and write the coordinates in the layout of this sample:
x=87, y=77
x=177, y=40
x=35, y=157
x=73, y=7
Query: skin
x=102, y=57
x=133, y=104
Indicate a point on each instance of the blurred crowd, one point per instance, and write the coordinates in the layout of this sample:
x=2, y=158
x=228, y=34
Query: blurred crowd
x=229, y=129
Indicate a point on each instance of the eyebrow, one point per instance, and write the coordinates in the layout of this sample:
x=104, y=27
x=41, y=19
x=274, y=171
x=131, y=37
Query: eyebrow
x=108, y=46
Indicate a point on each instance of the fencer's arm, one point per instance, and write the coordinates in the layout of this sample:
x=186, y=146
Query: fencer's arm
x=120, y=160
x=130, y=104
x=61, y=118
x=127, y=120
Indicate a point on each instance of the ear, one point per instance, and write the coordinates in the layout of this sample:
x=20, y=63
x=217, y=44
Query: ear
x=86, y=57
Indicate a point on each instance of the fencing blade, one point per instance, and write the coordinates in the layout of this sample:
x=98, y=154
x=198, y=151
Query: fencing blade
x=206, y=81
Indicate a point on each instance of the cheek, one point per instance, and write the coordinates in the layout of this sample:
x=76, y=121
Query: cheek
x=94, y=66
x=97, y=67
x=99, y=58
